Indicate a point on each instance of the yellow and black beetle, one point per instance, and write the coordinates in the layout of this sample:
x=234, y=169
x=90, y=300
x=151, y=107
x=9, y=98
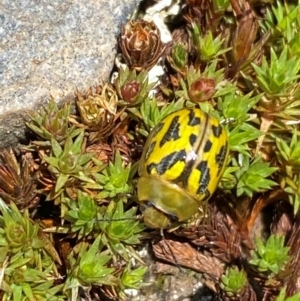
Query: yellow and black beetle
x=182, y=162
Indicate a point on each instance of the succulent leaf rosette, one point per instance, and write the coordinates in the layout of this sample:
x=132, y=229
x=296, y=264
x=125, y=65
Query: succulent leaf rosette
x=17, y=180
x=141, y=44
x=95, y=109
x=52, y=122
x=202, y=89
x=131, y=87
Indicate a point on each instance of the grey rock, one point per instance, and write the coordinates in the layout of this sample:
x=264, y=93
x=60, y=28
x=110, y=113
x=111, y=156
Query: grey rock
x=51, y=48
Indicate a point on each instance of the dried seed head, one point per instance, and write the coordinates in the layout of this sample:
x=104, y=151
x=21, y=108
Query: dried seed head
x=141, y=44
x=130, y=91
x=202, y=89
x=17, y=181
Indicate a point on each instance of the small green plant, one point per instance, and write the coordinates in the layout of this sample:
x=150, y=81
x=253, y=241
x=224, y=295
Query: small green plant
x=288, y=157
x=253, y=176
x=179, y=58
x=53, y=123
x=220, y=5
x=132, y=278
x=281, y=20
x=152, y=112
x=200, y=87
x=114, y=179
x=234, y=281
x=228, y=105
x=132, y=88
x=120, y=229
x=241, y=135
x=28, y=269
x=87, y=266
x=282, y=297
x=68, y=163
x=271, y=256
x=278, y=77
x=18, y=233
x=208, y=47
x=82, y=214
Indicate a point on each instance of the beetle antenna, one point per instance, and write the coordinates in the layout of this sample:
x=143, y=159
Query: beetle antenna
x=174, y=258
x=117, y=219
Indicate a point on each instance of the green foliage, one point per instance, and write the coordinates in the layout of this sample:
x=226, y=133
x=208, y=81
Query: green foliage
x=294, y=44
x=152, y=112
x=291, y=186
x=271, y=256
x=253, y=176
x=88, y=265
x=220, y=5
x=208, y=47
x=132, y=88
x=289, y=155
x=28, y=290
x=82, y=214
x=277, y=78
x=114, y=179
x=18, y=233
x=68, y=162
x=236, y=105
x=234, y=281
x=28, y=269
x=282, y=297
x=240, y=136
x=282, y=21
x=133, y=278
x=228, y=180
x=288, y=158
x=120, y=229
x=52, y=123
x=217, y=88
x=178, y=58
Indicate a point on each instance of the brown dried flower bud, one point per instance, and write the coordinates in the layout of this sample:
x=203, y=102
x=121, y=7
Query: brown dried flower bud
x=195, y=11
x=141, y=44
x=130, y=90
x=17, y=180
x=95, y=109
x=202, y=89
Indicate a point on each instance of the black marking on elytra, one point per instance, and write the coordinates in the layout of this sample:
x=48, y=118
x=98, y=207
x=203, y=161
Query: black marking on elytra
x=172, y=133
x=167, y=162
x=220, y=157
x=204, y=178
x=207, y=146
x=193, y=120
x=217, y=130
x=150, y=150
x=157, y=129
x=192, y=139
x=185, y=174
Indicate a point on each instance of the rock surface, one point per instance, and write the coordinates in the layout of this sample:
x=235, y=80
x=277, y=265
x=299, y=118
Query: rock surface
x=50, y=49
